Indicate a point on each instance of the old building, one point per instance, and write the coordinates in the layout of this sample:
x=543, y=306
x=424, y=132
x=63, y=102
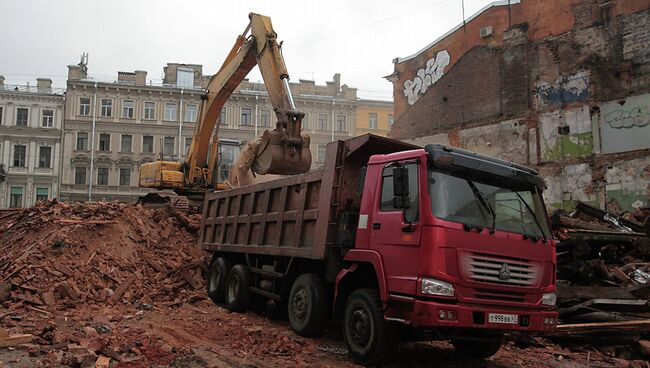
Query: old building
x=31, y=118
x=111, y=127
x=374, y=116
x=560, y=85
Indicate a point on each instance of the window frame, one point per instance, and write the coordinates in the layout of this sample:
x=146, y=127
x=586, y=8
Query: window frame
x=101, y=169
x=322, y=118
x=130, y=148
x=223, y=117
x=12, y=204
x=82, y=105
x=40, y=157
x=265, y=114
x=195, y=112
x=372, y=120
x=143, y=143
x=24, y=156
x=77, y=172
x=108, y=143
x=249, y=116
x=170, y=104
x=121, y=182
x=50, y=121
x=150, y=109
x=413, y=184
x=18, y=110
x=130, y=110
x=173, y=146
x=84, y=147
x=106, y=109
x=47, y=194
x=344, y=123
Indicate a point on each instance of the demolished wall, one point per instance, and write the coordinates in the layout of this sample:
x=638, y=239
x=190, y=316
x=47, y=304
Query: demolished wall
x=571, y=98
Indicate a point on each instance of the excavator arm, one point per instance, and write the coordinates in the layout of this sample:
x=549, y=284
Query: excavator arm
x=283, y=150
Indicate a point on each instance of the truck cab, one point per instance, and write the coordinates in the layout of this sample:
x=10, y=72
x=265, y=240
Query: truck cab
x=460, y=244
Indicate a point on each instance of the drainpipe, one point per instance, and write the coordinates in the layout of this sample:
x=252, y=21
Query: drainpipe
x=180, y=125
x=92, y=147
x=256, y=98
x=333, y=103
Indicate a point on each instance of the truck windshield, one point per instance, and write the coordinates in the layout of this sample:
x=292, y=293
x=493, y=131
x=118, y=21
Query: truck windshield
x=484, y=203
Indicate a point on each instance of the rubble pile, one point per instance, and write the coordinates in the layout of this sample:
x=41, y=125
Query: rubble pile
x=56, y=255
x=603, y=270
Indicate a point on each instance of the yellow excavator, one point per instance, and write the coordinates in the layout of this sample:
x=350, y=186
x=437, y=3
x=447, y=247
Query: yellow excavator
x=281, y=151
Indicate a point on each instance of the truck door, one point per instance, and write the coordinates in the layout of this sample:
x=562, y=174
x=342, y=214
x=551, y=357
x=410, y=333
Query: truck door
x=393, y=237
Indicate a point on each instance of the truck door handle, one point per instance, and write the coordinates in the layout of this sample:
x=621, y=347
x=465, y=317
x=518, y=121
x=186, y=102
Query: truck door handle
x=376, y=226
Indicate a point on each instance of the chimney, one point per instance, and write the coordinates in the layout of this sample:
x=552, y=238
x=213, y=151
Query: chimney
x=44, y=85
x=74, y=72
x=2, y=82
x=140, y=78
x=126, y=77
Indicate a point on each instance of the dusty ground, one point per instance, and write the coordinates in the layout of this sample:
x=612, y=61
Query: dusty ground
x=206, y=335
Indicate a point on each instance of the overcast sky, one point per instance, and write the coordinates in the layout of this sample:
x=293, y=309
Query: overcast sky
x=357, y=38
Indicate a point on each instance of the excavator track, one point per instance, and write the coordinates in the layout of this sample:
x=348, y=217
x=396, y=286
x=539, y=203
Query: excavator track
x=162, y=199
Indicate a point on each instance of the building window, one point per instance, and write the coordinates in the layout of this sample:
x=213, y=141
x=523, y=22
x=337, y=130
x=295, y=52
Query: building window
x=168, y=146
x=20, y=152
x=147, y=144
x=321, y=153
x=107, y=108
x=104, y=142
x=102, y=176
x=48, y=118
x=305, y=122
x=126, y=144
x=22, y=115
x=125, y=177
x=188, y=143
x=246, y=116
x=391, y=120
x=84, y=106
x=42, y=194
x=82, y=141
x=190, y=113
x=127, y=109
x=222, y=117
x=185, y=77
x=341, y=123
x=170, y=111
x=150, y=110
x=16, y=198
x=322, y=122
x=372, y=120
x=265, y=118
x=80, y=175
x=44, y=157
x=1, y=110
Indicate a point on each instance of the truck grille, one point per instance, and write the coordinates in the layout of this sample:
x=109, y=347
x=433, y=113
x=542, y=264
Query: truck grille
x=496, y=269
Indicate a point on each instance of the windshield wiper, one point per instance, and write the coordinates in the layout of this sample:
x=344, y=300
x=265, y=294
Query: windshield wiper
x=530, y=210
x=484, y=202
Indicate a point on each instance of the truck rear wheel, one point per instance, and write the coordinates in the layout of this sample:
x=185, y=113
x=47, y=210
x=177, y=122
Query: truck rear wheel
x=307, y=306
x=238, y=289
x=217, y=276
x=478, y=349
x=367, y=333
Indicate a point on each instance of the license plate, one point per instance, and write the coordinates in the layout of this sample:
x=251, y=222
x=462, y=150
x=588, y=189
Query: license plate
x=510, y=319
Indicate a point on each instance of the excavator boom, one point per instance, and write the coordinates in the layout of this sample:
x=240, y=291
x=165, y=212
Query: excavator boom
x=283, y=150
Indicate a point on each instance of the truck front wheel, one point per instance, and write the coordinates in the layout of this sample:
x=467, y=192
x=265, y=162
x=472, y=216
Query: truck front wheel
x=367, y=333
x=478, y=349
x=217, y=279
x=307, y=306
x=238, y=289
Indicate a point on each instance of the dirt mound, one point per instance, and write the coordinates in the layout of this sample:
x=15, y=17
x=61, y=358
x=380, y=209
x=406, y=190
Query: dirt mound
x=57, y=255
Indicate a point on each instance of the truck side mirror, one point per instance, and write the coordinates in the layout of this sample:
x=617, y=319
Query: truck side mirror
x=401, y=187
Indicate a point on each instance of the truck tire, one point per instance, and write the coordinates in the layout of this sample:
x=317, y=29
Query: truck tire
x=478, y=349
x=237, y=295
x=306, y=305
x=217, y=276
x=367, y=333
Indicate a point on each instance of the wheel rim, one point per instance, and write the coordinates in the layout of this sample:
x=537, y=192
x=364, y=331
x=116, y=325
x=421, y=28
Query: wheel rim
x=214, y=280
x=233, y=286
x=360, y=327
x=300, y=305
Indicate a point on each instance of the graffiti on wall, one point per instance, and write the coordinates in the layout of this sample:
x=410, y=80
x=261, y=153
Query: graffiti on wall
x=426, y=77
x=625, y=124
x=566, y=89
x=636, y=117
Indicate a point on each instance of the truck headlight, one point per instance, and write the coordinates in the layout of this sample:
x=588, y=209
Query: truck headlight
x=437, y=287
x=549, y=299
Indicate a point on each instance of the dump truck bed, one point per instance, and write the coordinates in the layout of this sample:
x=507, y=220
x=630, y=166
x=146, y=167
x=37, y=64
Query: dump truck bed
x=295, y=216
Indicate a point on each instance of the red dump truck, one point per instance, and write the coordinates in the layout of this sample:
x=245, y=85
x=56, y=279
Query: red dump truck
x=440, y=243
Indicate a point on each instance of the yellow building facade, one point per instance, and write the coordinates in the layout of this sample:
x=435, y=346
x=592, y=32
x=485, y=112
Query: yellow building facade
x=374, y=116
